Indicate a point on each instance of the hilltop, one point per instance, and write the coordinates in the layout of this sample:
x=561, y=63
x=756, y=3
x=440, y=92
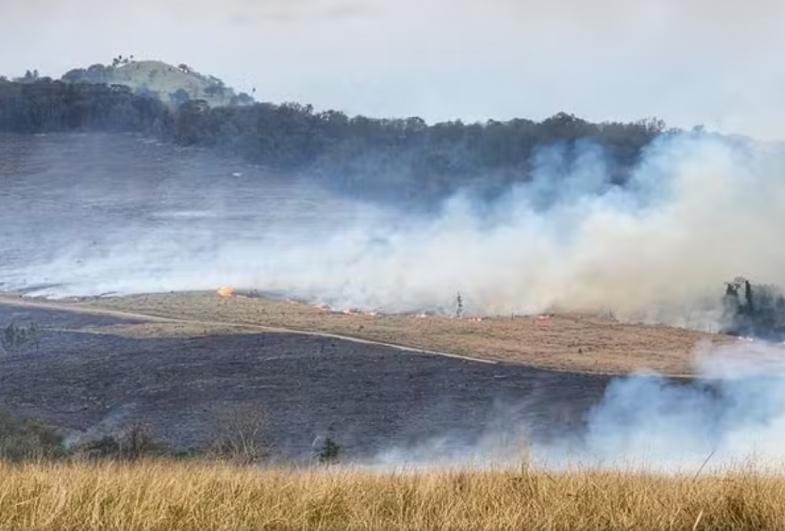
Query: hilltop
x=172, y=85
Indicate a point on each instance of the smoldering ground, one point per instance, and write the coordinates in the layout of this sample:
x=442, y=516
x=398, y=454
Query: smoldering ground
x=698, y=210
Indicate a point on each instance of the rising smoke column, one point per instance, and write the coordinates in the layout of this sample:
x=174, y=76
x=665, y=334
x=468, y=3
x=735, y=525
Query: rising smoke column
x=698, y=211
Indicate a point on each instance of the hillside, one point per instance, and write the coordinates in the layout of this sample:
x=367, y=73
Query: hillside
x=172, y=85
x=579, y=343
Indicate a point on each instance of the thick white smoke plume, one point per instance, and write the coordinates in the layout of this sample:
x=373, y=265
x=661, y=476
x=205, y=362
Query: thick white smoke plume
x=699, y=211
x=731, y=415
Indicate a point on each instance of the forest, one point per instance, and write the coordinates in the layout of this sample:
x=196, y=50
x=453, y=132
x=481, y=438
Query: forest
x=404, y=159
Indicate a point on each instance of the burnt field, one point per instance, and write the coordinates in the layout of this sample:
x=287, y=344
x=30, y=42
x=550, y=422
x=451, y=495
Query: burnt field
x=91, y=377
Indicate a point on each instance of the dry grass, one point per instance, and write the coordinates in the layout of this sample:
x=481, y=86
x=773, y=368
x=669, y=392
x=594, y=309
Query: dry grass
x=578, y=343
x=190, y=496
x=165, y=79
x=163, y=330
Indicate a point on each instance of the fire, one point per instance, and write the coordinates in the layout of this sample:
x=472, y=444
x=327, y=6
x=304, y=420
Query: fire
x=226, y=291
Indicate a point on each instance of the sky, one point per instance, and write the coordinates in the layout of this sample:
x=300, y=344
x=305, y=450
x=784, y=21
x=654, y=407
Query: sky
x=689, y=62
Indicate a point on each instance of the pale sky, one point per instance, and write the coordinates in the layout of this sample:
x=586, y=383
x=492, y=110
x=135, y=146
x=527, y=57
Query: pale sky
x=712, y=62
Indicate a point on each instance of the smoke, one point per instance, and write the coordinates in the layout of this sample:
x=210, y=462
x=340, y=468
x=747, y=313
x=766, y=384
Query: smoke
x=699, y=210
x=731, y=414
x=734, y=411
x=109, y=425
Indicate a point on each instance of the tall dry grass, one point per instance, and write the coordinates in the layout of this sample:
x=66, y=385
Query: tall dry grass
x=181, y=495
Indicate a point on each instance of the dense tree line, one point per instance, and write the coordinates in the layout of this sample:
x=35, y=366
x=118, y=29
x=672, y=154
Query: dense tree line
x=404, y=158
x=45, y=106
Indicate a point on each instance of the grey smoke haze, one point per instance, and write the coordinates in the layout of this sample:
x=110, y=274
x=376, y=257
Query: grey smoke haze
x=693, y=62
x=698, y=212
x=732, y=415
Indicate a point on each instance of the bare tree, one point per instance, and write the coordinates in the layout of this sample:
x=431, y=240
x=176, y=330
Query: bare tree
x=240, y=434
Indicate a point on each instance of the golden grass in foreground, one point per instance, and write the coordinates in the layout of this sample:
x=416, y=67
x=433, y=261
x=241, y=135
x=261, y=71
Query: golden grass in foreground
x=179, y=496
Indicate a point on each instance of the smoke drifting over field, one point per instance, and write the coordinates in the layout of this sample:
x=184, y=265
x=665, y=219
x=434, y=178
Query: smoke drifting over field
x=732, y=414
x=699, y=211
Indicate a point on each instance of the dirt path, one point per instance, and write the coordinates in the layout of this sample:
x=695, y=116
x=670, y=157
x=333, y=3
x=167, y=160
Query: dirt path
x=70, y=307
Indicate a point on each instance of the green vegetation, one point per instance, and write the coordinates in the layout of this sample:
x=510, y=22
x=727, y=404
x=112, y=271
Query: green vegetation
x=403, y=159
x=19, y=336
x=31, y=439
x=159, y=80
x=28, y=439
x=329, y=452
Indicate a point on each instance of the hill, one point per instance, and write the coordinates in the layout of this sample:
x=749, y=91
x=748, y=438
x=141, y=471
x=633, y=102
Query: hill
x=172, y=85
x=405, y=161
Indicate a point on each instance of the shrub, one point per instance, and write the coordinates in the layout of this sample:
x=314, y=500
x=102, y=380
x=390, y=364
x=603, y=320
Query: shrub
x=329, y=452
x=240, y=435
x=136, y=441
x=23, y=439
x=17, y=336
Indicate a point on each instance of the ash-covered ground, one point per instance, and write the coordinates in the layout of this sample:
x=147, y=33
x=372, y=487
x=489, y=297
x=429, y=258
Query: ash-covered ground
x=372, y=400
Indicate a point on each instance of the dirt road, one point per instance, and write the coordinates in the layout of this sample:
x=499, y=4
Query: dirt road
x=142, y=317
x=90, y=378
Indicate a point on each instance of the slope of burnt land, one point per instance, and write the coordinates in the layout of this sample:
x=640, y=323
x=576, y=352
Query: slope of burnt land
x=369, y=398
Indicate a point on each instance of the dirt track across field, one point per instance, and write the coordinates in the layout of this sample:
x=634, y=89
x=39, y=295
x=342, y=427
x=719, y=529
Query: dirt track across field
x=97, y=371
x=195, y=327
x=562, y=342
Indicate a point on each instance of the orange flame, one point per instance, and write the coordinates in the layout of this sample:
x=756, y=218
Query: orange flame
x=226, y=291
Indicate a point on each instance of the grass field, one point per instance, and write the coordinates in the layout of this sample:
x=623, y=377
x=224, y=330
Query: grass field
x=187, y=496
x=568, y=342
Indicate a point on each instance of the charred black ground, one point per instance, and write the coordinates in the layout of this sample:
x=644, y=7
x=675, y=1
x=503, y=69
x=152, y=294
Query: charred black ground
x=368, y=398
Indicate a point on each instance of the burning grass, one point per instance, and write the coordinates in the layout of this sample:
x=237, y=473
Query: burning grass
x=576, y=343
x=213, y=496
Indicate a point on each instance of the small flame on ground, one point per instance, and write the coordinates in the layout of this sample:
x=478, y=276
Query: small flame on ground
x=226, y=291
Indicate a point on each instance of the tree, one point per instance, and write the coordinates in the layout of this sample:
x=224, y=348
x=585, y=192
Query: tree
x=243, y=99
x=240, y=434
x=179, y=97
x=18, y=336
x=329, y=452
x=761, y=314
x=387, y=159
x=214, y=90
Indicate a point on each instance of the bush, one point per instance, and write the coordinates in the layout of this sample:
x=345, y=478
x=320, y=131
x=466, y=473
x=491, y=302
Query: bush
x=18, y=336
x=134, y=442
x=28, y=439
x=240, y=435
x=329, y=452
